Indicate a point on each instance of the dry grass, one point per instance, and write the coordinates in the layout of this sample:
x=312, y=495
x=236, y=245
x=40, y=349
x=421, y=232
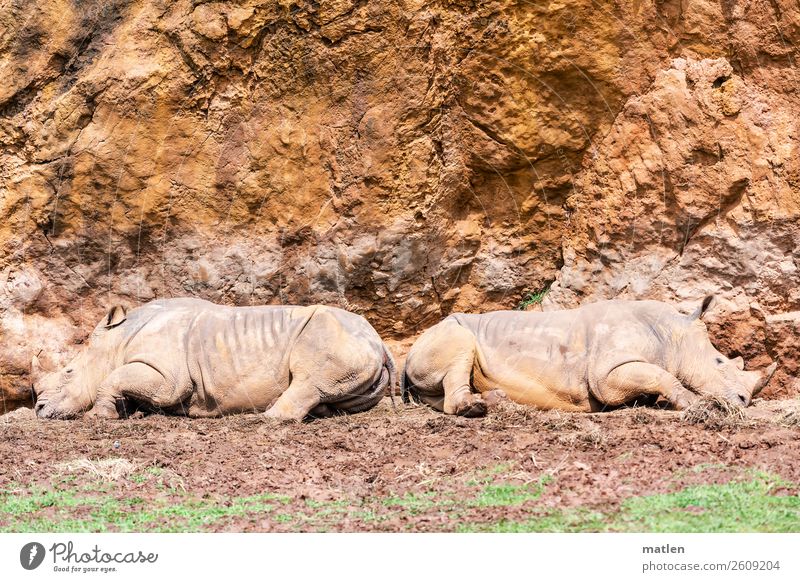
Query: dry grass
x=557, y=420
x=18, y=415
x=640, y=416
x=592, y=437
x=582, y=439
x=168, y=478
x=103, y=469
x=506, y=414
x=111, y=470
x=715, y=413
x=790, y=419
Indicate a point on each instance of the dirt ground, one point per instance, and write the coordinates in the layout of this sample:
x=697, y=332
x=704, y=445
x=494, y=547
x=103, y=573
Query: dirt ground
x=406, y=470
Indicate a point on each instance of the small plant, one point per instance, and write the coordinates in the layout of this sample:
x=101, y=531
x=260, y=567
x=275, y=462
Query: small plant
x=533, y=297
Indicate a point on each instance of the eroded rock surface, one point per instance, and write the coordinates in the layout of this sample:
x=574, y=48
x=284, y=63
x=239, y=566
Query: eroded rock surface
x=402, y=159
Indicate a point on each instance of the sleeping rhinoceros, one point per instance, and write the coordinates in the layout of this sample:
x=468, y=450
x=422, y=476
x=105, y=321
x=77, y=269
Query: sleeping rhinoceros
x=586, y=359
x=195, y=358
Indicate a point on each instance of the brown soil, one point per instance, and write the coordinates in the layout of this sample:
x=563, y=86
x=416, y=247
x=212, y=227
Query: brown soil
x=595, y=460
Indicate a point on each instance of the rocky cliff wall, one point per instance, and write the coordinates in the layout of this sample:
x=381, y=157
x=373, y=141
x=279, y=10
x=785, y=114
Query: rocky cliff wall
x=402, y=159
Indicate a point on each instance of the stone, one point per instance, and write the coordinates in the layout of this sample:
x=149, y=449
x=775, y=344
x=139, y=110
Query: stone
x=403, y=160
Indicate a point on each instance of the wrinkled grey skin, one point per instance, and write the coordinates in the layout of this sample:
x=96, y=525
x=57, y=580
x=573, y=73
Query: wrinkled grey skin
x=586, y=359
x=192, y=357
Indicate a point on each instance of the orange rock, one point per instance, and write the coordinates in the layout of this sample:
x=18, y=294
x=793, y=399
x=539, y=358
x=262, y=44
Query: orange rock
x=403, y=160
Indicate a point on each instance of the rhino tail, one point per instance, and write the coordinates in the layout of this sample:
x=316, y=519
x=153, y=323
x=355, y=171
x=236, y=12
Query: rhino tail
x=407, y=392
x=391, y=368
x=404, y=386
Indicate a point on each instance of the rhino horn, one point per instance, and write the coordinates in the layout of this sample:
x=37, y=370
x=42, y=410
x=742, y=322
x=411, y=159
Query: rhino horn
x=738, y=361
x=765, y=377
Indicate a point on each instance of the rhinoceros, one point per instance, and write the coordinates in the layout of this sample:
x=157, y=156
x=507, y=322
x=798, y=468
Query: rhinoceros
x=195, y=358
x=600, y=355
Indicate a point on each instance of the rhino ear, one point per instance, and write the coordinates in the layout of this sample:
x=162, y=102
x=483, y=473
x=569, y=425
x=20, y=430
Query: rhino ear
x=116, y=315
x=37, y=370
x=700, y=311
x=738, y=361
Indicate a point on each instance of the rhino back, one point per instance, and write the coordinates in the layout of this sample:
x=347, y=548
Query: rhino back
x=631, y=331
x=238, y=357
x=515, y=347
x=235, y=358
x=575, y=348
x=157, y=334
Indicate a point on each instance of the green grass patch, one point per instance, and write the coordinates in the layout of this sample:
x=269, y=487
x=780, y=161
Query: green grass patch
x=72, y=510
x=503, y=494
x=578, y=520
x=486, y=498
x=759, y=504
x=746, y=506
x=488, y=490
x=416, y=503
x=102, y=505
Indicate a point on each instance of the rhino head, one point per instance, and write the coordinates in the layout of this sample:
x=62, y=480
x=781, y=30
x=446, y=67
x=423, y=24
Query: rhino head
x=708, y=372
x=72, y=390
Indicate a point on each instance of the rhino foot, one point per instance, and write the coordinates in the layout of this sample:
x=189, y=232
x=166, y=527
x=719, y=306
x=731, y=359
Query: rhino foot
x=102, y=412
x=471, y=406
x=683, y=399
x=684, y=403
x=276, y=421
x=494, y=397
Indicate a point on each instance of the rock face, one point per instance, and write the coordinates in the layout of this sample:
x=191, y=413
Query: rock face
x=402, y=159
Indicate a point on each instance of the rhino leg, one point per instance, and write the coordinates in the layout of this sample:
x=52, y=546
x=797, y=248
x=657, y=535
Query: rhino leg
x=634, y=379
x=441, y=370
x=299, y=399
x=331, y=363
x=137, y=381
